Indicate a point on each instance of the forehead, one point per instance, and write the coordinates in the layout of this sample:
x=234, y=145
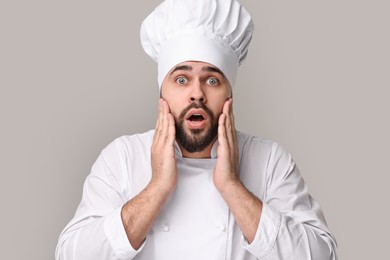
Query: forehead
x=195, y=67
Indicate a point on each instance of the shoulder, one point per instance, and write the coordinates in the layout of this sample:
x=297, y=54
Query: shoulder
x=246, y=141
x=268, y=155
x=130, y=144
x=140, y=139
x=251, y=145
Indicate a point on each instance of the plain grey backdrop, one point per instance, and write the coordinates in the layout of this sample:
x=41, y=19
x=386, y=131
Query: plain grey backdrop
x=74, y=77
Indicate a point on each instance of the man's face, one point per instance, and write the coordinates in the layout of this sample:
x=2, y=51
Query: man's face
x=196, y=92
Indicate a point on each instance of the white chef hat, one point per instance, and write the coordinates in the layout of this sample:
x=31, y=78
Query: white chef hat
x=213, y=31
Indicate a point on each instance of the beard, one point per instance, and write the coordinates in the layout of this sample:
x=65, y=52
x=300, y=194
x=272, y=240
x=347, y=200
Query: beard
x=196, y=140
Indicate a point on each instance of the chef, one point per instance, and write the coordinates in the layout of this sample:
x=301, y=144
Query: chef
x=195, y=187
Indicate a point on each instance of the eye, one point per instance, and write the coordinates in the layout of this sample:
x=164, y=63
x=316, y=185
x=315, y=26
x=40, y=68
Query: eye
x=212, y=81
x=181, y=80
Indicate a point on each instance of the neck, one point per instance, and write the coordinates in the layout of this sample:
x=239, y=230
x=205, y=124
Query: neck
x=206, y=153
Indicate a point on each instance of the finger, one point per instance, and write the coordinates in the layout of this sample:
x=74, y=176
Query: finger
x=225, y=111
x=233, y=124
x=234, y=146
x=232, y=121
x=158, y=115
x=225, y=108
x=161, y=113
x=155, y=137
x=171, y=129
x=222, y=131
x=165, y=112
x=231, y=114
x=229, y=124
x=229, y=110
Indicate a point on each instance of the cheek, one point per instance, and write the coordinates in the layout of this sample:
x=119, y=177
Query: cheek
x=174, y=108
x=216, y=108
x=218, y=101
x=222, y=94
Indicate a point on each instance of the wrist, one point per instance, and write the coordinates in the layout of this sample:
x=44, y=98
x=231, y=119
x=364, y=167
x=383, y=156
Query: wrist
x=228, y=185
x=160, y=188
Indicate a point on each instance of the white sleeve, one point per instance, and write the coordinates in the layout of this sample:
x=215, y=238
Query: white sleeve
x=96, y=231
x=292, y=225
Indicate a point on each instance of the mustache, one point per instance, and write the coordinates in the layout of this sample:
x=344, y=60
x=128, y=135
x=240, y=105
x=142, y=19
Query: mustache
x=196, y=105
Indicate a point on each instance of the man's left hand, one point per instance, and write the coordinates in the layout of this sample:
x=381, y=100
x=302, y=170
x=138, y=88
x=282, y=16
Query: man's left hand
x=226, y=169
x=245, y=206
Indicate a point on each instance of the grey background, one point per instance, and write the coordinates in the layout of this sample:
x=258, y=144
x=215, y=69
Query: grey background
x=73, y=77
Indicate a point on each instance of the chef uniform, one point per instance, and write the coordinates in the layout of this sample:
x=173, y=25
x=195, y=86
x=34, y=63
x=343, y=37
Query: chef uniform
x=196, y=222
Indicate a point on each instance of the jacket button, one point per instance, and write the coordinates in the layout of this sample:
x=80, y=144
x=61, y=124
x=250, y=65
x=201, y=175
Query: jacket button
x=222, y=228
x=164, y=227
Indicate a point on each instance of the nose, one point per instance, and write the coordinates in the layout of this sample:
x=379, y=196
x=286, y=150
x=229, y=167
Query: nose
x=197, y=93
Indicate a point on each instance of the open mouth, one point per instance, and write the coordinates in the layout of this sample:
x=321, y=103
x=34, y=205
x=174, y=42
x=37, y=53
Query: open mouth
x=197, y=118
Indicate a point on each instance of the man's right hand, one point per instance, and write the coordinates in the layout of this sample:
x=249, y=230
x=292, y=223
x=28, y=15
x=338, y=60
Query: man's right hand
x=164, y=173
x=139, y=213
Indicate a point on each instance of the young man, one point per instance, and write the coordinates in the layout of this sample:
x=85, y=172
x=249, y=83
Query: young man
x=194, y=188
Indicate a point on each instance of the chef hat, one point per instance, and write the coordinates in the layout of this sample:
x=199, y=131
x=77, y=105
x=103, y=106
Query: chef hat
x=213, y=31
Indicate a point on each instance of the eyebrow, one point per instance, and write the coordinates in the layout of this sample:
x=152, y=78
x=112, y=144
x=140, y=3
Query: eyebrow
x=213, y=69
x=205, y=68
x=183, y=67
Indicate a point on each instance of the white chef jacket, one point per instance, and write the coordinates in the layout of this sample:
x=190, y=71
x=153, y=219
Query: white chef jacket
x=196, y=223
